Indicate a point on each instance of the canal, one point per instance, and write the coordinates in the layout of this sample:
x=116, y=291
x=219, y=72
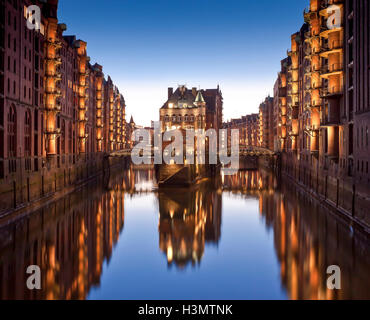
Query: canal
x=247, y=236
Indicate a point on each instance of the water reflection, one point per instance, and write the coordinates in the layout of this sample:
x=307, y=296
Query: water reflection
x=73, y=239
x=188, y=219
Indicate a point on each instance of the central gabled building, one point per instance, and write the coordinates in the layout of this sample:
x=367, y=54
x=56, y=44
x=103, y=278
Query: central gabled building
x=192, y=109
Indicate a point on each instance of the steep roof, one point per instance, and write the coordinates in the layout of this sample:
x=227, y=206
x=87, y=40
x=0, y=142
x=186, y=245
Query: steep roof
x=199, y=97
x=188, y=97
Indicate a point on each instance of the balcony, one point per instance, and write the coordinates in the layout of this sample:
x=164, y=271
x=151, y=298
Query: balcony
x=331, y=92
x=324, y=30
x=335, y=46
x=332, y=69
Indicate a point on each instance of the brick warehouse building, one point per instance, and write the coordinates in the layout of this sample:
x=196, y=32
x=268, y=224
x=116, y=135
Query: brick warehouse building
x=327, y=121
x=249, y=130
x=58, y=114
x=320, y=118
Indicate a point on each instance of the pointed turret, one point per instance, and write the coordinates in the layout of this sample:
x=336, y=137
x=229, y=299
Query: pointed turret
x=199, y=100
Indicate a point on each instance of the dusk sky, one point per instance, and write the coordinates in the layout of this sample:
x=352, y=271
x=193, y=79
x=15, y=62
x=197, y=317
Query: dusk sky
x=147, y=46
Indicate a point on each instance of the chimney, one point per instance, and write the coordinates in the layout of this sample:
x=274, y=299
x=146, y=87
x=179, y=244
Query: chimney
x=170, y=92
x=194, y=91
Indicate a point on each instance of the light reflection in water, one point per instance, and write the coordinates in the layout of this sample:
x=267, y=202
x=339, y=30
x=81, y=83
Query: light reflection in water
x=73, y=240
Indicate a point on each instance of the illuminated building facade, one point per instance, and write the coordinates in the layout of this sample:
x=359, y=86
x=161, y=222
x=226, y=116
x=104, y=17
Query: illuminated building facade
x=266, y=112
x=324, y=130
x=249, y=128
x=192, y=109
x=52, y=109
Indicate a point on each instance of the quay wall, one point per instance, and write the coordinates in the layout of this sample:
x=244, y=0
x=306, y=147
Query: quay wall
x=57, y=177
x=339, y=193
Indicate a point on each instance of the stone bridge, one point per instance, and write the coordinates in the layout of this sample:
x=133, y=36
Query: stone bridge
x=243, y=152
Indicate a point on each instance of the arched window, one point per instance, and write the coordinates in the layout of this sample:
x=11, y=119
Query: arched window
x=186, y=117
x=174, y=118
x=166, y=118
x=12, y=138
x=179, y=118
x=192, y=118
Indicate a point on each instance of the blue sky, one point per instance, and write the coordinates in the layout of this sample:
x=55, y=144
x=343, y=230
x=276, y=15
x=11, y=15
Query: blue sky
x=149, y=45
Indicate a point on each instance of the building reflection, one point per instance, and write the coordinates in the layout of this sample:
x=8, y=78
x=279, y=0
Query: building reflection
x=72, y=238
x=188, y=220
x=249, y=182
x=69, y=240
x=307, y=240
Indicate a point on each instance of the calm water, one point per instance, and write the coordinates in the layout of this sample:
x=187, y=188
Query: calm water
x=239, y=237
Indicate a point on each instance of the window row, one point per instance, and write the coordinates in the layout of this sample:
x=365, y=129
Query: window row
x=186, y=118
